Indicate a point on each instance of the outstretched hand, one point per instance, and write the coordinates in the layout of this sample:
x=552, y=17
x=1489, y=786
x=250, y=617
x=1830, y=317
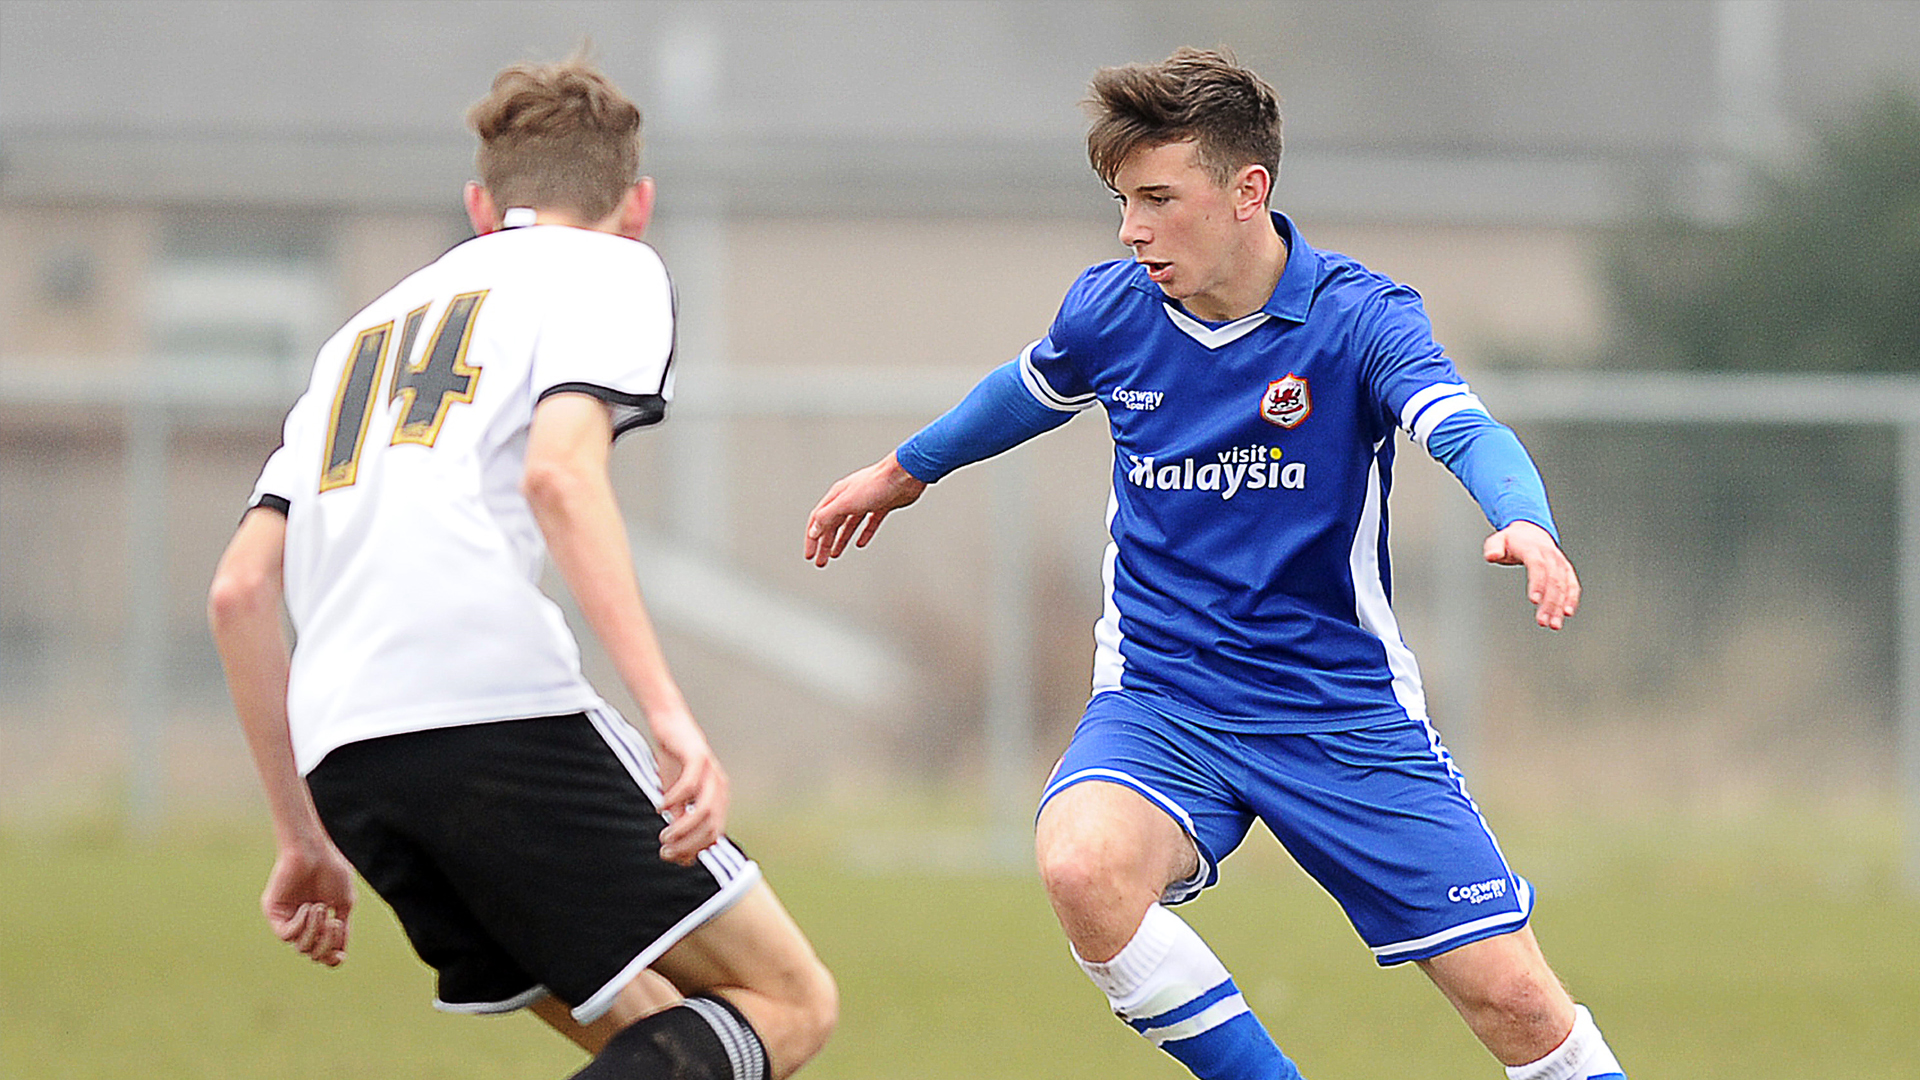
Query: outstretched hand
x=308, y=898
x=866, y=496
x=1552, y=586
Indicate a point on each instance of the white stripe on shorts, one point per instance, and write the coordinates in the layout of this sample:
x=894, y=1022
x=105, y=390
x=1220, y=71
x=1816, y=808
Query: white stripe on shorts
x=493, y=1008
x=1524, y=893
x=731, y=869
x=1178, y=892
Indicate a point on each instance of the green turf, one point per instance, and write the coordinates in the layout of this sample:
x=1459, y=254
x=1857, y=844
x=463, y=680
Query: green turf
x=1775, y=945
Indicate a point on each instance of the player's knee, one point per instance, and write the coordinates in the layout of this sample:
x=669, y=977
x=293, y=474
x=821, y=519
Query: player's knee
x=802, y=1006
x=1104, y=849
x=1066, y=871
x=1085, y=872
x=816, y=1006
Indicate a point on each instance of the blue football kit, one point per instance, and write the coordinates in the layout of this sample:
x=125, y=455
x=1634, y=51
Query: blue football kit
x=1247, y=660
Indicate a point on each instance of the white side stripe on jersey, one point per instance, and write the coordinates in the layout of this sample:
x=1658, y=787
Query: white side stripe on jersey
x=1045, y=394
x=1370, y=600
x=1425, y=410
x=1109, y=663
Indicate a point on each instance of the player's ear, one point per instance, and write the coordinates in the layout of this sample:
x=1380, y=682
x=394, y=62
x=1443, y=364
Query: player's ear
x=1250, y=191
x=481, y=213
x=636, y=209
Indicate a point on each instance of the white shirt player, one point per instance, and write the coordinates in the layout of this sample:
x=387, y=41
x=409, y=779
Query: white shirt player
x=412, y=557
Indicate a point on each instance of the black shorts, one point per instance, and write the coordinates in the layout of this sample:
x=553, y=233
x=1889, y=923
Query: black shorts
x=523, y=856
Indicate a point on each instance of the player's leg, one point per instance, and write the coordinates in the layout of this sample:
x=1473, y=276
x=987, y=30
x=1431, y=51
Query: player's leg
x=1517, y=1007
x=647, y=994
x=756, y=959
x=1381, y=819
x=743, y=997
x=1106, y=856
x=758, y=1001
x=1108, y=853
x=568, y=901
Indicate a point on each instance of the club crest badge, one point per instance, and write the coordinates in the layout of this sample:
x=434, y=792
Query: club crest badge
x=1286, y=402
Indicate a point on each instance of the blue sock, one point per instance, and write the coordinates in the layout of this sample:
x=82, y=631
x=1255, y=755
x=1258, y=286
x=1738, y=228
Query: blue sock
x=1170, y=987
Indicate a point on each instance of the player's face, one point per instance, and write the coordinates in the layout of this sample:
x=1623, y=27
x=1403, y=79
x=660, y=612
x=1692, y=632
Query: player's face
x=1181, y=226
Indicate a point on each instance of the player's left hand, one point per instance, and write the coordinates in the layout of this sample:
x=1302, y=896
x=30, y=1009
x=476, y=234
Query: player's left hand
x=697, y=788
x=1552, y=586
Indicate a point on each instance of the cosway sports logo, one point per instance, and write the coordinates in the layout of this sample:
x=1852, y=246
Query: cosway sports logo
x=1479, y=892
x=1139, y=400
x=1249, y=468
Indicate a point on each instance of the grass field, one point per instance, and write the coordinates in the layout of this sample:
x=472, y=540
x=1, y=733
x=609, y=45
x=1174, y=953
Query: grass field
x=1772, y=945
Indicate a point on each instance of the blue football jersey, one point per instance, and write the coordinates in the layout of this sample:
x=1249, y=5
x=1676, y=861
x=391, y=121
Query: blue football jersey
x=1247, y=581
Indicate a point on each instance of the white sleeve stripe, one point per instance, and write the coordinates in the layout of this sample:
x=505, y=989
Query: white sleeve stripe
x=1411, y=410
x=1046, y=395
x=1424, y=424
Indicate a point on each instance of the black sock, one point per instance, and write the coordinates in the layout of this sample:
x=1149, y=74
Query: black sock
x=744, y=1048
x=702, y=1038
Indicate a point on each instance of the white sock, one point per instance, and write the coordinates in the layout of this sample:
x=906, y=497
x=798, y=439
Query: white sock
x=1167, y=985
x=1165, y=959
x=1583, y=1056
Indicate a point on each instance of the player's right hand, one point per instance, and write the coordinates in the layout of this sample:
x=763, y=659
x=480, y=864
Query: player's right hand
x=308, y=898
x=866, y=496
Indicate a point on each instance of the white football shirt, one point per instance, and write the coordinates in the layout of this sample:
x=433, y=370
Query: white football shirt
x=412, y=559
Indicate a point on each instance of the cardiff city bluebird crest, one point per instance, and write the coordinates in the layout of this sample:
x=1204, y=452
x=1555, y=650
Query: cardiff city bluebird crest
x=1286, y=402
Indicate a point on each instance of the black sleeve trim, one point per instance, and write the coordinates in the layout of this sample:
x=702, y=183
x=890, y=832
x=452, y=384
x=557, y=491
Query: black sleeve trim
x=274, y=503
x=629, y=410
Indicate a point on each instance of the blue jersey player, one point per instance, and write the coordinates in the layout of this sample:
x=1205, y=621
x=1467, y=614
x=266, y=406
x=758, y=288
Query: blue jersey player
x=1247, y=663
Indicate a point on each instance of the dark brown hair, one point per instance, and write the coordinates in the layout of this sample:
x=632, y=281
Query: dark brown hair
x=557, y=137
x=1229, y=113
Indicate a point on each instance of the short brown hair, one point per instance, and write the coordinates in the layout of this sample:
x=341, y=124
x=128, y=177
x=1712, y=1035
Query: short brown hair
x=1231, y=115
x=557, y=137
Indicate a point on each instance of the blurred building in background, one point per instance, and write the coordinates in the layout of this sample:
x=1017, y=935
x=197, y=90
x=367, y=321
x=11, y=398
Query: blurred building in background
x=866, y=205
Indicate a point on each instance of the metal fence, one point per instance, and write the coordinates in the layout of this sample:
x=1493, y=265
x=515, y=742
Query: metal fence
x=1001, y=541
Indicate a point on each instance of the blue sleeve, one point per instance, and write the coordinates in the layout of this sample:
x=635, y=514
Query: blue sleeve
x=997, y=415
x=1487, y=457
x=1400, y=358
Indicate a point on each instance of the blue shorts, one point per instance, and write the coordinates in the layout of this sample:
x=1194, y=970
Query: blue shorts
x=1378, y=816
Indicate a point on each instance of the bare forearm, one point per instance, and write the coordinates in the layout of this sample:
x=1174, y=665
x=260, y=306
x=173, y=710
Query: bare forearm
x=566, y=486
x=243, y=613
x=254, y=655
x=587, y=540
